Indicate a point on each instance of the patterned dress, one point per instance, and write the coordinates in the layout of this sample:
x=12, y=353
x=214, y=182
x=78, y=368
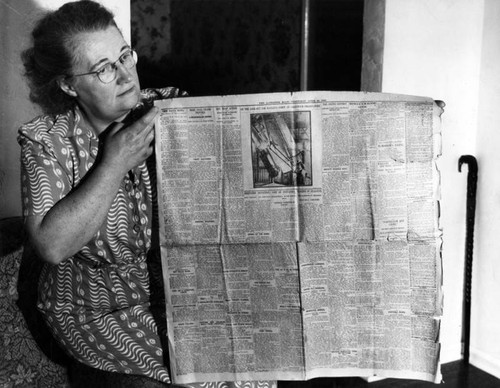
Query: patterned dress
x=105, y=304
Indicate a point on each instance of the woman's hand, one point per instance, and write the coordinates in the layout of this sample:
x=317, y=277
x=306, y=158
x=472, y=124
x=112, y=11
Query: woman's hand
x=125, y=147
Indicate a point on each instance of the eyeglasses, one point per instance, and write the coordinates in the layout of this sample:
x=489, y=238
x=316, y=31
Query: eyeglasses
x=108, y=72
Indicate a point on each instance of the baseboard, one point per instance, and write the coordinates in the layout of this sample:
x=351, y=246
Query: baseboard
x=485, y=362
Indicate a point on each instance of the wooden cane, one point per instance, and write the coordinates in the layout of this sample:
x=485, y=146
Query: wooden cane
x=469, y=246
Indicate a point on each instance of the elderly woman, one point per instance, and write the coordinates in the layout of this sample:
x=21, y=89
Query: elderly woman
x=88, y=197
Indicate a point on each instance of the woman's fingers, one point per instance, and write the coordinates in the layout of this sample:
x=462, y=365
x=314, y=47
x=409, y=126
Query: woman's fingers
x=147, y=121
x=128, y=146
x=144, y=127
x=150, y=133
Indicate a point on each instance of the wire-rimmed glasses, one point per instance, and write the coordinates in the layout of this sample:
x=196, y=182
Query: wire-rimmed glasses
x=108, y=72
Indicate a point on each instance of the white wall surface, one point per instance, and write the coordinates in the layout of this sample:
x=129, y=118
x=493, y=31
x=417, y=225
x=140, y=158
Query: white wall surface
x=17, y=18
x=450, y=50
x=485, y=323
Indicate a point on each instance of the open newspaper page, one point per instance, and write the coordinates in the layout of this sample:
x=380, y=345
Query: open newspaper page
x=300, y=235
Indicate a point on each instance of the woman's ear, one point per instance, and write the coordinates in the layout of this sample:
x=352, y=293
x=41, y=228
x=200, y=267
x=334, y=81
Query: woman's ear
x=67, y=87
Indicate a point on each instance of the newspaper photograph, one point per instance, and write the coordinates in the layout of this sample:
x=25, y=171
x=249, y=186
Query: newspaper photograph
x=300, y=235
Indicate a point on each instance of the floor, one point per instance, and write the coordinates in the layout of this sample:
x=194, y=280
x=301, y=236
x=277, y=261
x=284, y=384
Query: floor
x=455, y=375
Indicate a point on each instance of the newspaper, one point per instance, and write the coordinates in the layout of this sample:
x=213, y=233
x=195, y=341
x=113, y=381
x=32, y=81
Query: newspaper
x=300, y=235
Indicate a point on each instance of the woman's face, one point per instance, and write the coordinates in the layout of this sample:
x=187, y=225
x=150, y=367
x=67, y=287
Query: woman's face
x=103, y=103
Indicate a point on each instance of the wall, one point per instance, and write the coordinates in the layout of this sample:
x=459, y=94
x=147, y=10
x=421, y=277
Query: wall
x=16, y=20
x=373, y=45
x=218, y=46
x=252, y=46
x=450, y=50
x=485, y=323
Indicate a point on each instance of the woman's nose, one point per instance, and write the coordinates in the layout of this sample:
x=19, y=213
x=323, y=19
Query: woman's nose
x=123, y=73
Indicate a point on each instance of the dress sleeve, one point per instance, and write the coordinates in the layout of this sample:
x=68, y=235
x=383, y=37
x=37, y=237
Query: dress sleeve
x=44, y=180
